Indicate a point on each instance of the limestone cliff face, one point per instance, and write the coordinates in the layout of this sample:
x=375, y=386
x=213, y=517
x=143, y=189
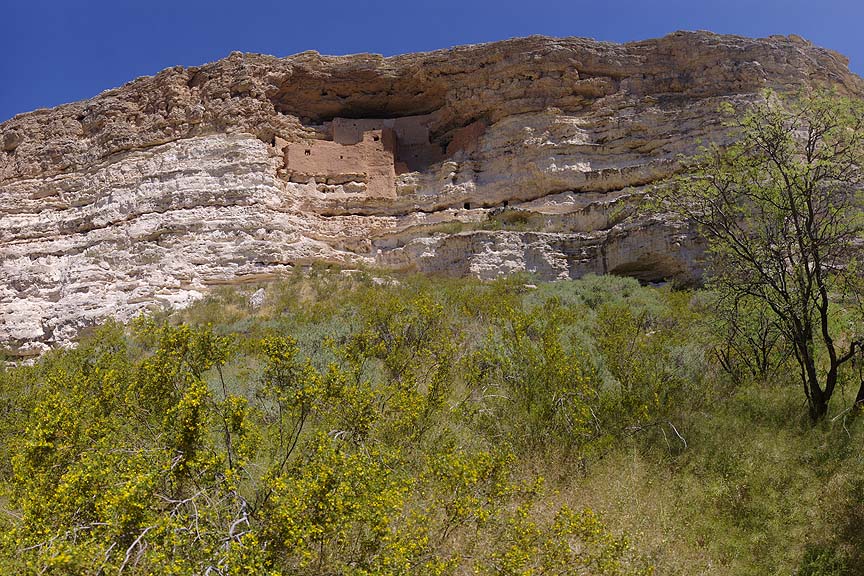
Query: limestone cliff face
x=481, y=160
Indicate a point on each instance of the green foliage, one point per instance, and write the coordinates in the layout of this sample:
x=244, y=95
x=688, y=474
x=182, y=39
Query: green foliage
x=533, y=391
x=751, y=345
x=571, y=543
x=657, y=374
x=420, y=426
x=183, y=448
x=781, y=209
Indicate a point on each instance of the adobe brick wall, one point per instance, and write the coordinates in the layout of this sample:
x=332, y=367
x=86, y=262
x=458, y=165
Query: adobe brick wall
x=408, y=129
x=370, y=161
x=413, y=150
x=365, y=150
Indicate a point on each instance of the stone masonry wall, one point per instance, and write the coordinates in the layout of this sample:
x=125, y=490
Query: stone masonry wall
x=367, y=166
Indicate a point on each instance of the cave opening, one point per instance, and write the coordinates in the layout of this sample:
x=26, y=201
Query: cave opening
x=412, y=140
x=649, y=269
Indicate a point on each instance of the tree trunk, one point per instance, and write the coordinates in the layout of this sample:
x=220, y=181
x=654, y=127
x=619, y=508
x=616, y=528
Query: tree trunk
x=818, y=409
x=859, y=398
x=817, y=402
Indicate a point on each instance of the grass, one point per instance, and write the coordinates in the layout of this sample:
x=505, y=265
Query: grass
x=703, y=475
x=757, y=490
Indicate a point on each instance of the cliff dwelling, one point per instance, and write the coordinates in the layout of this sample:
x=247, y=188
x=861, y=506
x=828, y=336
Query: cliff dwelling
x=363, y=155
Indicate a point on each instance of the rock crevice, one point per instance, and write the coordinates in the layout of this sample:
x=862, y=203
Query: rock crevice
x=523, y=155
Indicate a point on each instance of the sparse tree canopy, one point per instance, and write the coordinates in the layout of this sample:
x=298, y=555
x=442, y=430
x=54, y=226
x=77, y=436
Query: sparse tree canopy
x=781, y=210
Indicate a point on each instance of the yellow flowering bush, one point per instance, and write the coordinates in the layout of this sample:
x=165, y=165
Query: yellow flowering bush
x=387, y=446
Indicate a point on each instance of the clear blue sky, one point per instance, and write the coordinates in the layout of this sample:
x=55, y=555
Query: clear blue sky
x=64, y=50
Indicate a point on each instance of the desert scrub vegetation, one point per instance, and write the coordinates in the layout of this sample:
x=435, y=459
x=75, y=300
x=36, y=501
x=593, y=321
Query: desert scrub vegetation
x=375, y=424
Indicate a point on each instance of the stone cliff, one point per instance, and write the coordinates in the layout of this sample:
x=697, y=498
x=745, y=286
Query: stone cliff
x=480, y=160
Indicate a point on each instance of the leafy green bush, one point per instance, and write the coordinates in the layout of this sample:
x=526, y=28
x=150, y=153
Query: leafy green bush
x=421, y=425
x=181, y=448
x=530, y=388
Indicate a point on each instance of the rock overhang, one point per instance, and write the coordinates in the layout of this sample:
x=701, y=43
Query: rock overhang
x=529, y=148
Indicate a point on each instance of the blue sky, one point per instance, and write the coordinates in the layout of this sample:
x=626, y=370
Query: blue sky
x=64, y=50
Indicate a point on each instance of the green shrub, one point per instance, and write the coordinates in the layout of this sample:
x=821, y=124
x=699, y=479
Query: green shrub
x=407, y=427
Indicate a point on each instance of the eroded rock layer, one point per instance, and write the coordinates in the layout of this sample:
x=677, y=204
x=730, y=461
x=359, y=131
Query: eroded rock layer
x=479, y=160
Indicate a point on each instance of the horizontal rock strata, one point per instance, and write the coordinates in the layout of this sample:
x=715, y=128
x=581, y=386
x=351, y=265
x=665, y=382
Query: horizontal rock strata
x=523, y=155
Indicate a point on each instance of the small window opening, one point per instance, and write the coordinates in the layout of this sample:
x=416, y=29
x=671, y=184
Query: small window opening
x=467, y=205
x=341, y=157
x=308, y=152
x=376, y=138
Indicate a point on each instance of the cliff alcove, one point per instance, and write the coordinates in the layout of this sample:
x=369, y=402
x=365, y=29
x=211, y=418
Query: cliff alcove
x=244, y=168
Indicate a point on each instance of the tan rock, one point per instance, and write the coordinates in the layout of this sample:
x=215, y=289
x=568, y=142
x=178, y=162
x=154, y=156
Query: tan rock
x=490, y=159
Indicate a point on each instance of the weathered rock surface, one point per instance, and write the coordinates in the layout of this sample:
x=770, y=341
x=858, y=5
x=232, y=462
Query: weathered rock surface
x=481, y=160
